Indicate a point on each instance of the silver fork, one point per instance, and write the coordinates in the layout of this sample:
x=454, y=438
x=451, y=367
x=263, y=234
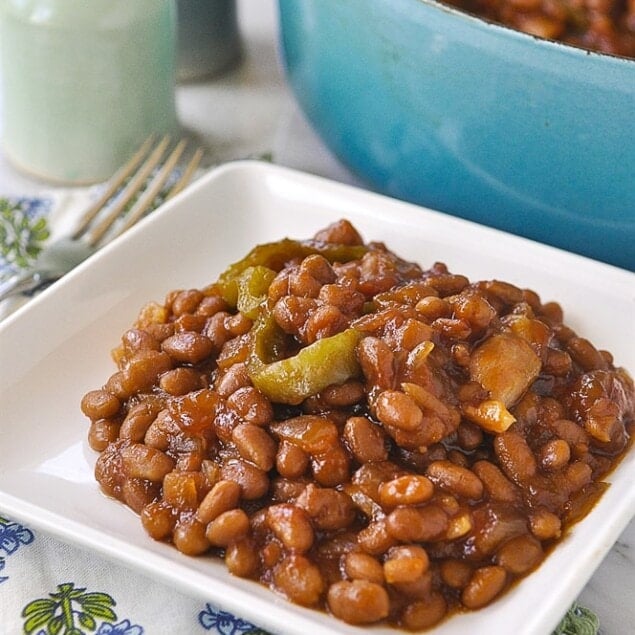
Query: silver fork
x=98, y=225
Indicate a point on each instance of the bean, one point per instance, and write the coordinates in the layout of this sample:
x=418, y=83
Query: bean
x=115, y=386
x=138, y=421
x=238, y=324
x=235, y=377
x=329, y=509
x=331, y=468
x=377, y=273
x=299, y=579
x=284, y=490
x=100, y=404
x=188, y=347
x=190, y=322
x=585, y=354
x=519, y=555
x=455, y=573
x=496, y=484
x=545, y=525
x=576, y=476
x=158, y=520
x=102, y=432
x=251, y=405
x=554, y=454
x=134, y=340
x=291, y=460
x=253, y=481
x=228, y=527
x=186, y=301
x=569, y=431
x=416, y=524
x=292, y=526
x=189, y=537
x=432, y=307
x=469, y=435
x=223, y=496
x=180, y=381
x=216, y=329
x=473, y=309
x=376, y=360
x=137, y=493
x=210, y=305
x=413, y=333
x=515, y=456
x=358, y=601
x=397, y=409
x=326, y=320
x=341, y=232
x=255, y=445
x=366, y=440
x=503, y=291
x=558, y=363
x=234, y=351
x=348, y=301
x=423, y=614
x=141, y=461
x=418, y=589
x=484, y=585
x=343, y=395
x=303, y=285
x=452, y=328
x=241, y=558
x=319, y=268
x=160, y=431
x=141, y=372
x=410, y=489
x=405, y=564
x=361, y=566
x=494, y=524
x=313, y=434
x=375, y=539
x=455, y=479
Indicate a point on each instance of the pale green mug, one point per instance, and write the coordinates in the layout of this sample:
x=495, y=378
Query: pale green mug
x=84, y=83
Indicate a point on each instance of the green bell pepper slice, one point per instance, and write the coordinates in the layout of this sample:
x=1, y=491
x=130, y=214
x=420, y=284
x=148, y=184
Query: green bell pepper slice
x=331, y=360
x=276, y=255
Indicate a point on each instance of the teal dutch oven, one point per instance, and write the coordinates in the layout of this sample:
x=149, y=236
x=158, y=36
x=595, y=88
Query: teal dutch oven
x=435, y=106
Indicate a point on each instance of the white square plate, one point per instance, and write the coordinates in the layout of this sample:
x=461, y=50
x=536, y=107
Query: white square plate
x=58, y=347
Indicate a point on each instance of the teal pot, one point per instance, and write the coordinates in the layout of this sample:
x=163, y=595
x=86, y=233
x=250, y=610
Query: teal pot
x=444, y=109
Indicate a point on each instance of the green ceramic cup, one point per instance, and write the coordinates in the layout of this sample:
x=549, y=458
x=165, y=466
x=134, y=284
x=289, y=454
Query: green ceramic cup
x=84, y=83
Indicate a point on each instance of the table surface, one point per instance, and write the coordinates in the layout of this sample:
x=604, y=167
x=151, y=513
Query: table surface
x=250, y=112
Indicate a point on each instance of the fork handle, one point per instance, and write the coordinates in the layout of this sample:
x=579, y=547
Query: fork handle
x=21, y=283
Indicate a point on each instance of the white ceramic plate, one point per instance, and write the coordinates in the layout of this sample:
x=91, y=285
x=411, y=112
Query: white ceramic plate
x=57, y=348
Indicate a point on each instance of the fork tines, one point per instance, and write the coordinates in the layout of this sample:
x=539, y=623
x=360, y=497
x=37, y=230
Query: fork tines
x=145, y=176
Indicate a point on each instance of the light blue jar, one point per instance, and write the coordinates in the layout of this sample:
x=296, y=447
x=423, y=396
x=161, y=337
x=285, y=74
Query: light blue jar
x=84, y=83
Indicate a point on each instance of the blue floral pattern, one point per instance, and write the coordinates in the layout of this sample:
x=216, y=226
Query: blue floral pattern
x=12, y=537
x=225, y=623
x=121, y=628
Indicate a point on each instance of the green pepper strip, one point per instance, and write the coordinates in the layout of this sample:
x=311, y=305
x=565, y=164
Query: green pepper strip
x=275, y=255
x=331, y=360
x=253, y=284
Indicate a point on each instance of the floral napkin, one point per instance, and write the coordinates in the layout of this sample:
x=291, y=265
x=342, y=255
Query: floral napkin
x=50, y=588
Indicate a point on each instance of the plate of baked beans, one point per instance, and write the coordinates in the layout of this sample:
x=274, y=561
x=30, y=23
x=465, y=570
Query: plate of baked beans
x=325, y=409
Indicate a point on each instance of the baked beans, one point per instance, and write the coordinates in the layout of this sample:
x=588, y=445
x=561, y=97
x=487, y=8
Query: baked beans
x=606, y=26
x=361, y=435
